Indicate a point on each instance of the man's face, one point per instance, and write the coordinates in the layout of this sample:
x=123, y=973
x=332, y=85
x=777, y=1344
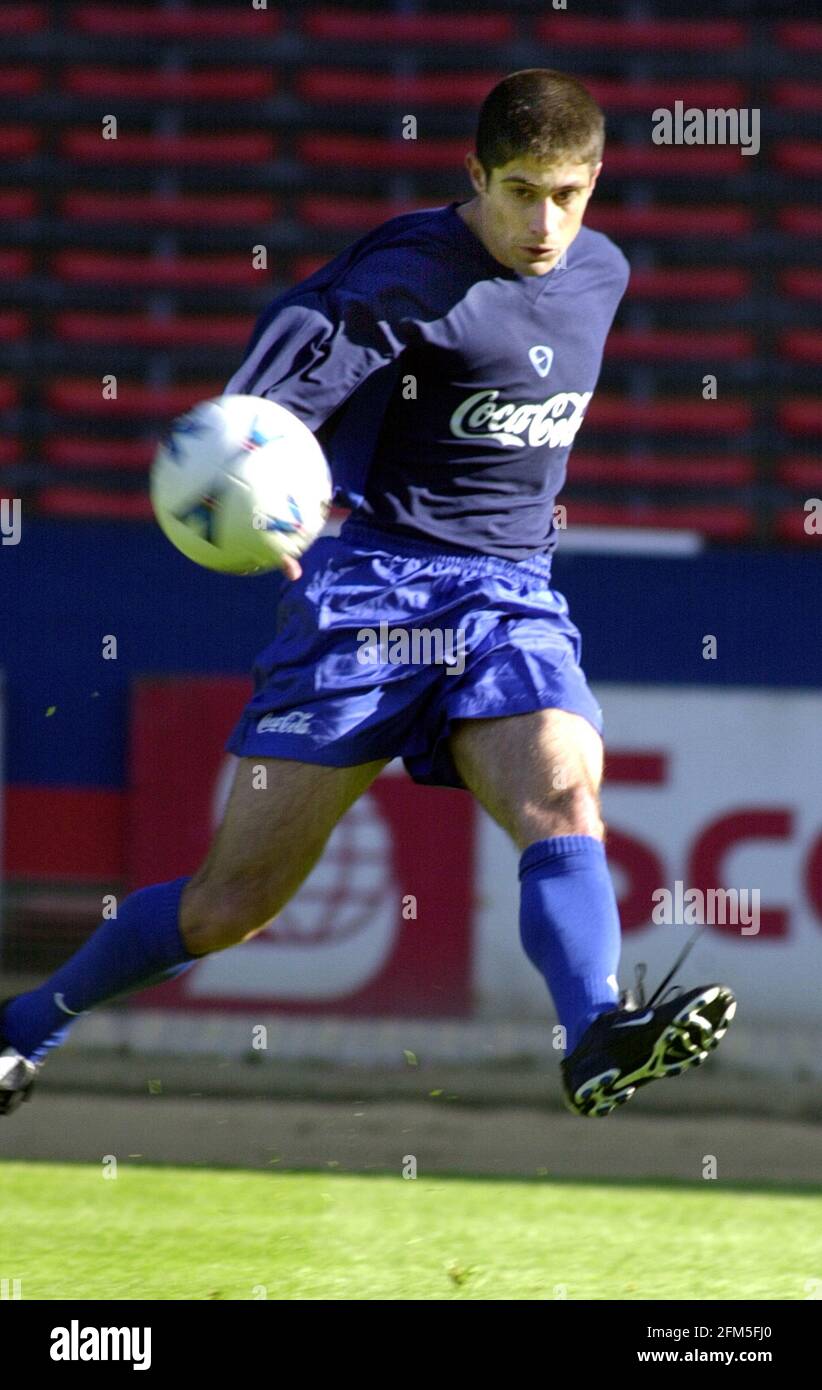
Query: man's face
x=529, y=212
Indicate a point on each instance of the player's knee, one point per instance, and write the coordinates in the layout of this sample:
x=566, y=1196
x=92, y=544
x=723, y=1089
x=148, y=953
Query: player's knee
x=571, y=810
x=215, y=915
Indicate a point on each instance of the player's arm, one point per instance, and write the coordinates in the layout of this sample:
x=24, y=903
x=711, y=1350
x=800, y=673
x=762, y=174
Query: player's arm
x=316, y=344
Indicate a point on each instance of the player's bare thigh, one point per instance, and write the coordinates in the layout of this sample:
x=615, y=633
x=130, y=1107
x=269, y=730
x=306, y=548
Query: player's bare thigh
x=276, y=824
x=537, y=774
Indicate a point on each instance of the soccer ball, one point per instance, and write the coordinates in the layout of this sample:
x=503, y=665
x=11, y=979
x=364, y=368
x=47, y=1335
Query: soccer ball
x=239, y=483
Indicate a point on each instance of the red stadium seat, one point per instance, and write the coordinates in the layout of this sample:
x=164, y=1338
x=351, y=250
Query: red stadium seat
x=647, y=344
x=684, y=283
x=381, y=152
x=145, y=21
x=13, y=324
x=18, y=141
x=642, y=95
x=9, y=394
x=10, y=450
x=130, y=148
x=171, y=209
x=668, y=415
x=801, y=415
x=149, y=331
x=662, y=470
x=62, y=500
x=342, y=85
x=728, y=523
x=447, y=88
x=20, y=82
x=329, y=210
x=802, y=344
x=674, y=161
x=802, y=283
x=214, y=84
x=800, y=471
x=790, y=526
x=15, y=264
x=669, y=221
x=81, y=396
x=115, y=455
x=797, y=96
x=16, y=203
x=667, y=35
x=177, y=272
x=364, y=26
x=303, y=266
x=332, y=210
x=803, y=157
x=801, y=221
x=805, y=37
x=22, y=19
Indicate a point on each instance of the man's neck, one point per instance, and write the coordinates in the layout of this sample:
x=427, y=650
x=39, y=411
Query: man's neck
x=469, y=212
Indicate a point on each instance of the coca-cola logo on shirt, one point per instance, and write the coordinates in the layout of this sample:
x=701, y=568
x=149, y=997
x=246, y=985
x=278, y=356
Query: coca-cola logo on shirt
x=536, y=423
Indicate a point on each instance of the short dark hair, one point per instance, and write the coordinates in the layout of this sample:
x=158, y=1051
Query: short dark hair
x=548, y=115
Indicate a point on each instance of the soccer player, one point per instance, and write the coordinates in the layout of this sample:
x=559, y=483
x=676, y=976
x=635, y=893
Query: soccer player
x=445, y=361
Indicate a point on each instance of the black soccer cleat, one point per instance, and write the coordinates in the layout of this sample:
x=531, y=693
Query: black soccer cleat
x=16, y=1075
x=629, y=1046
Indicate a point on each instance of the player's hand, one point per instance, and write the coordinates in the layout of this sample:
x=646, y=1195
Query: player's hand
x=292, y=569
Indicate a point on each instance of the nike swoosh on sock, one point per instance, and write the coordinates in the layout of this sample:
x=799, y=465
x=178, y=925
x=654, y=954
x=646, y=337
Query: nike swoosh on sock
x=59, y=1000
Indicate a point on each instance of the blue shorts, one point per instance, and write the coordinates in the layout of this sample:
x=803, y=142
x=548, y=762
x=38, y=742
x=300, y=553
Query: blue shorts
x=384, y=642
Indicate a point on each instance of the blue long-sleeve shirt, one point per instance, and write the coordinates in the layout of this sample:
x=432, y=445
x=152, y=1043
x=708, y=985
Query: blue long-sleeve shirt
x=445, y=388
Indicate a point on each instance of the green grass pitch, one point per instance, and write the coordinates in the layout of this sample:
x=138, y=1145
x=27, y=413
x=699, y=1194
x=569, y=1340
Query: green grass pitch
x=194, y=1233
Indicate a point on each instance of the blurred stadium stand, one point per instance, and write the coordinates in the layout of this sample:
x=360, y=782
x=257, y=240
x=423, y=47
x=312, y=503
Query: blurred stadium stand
x=281, y=128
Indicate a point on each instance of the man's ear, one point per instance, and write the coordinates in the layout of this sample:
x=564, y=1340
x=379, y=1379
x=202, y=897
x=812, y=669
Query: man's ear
x=596, y=174
x=476, y=173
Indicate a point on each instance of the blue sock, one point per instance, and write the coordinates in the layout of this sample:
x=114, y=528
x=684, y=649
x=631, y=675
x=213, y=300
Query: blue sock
x=569, y=926
x=141, y=945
